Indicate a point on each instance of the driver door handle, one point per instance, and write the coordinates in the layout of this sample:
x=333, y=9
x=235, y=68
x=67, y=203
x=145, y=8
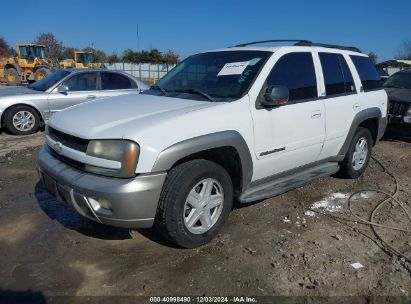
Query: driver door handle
x=91, y=96
x=316, y=114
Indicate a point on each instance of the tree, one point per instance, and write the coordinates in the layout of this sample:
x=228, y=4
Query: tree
x=5, y=49
x=404, y=51
x=171, y=57
x=68, y=53
x=151, y=56
x=54, y=48
x=113, y=58
x=373, y=57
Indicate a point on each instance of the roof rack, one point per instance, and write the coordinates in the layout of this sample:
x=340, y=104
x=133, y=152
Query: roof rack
x=303, y=42
x=332, y=46
x=277, y=40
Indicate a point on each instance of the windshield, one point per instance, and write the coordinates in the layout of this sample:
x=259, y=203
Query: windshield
x=399, y=80
x=219, y=75
x=31, y=52
x=49, y=81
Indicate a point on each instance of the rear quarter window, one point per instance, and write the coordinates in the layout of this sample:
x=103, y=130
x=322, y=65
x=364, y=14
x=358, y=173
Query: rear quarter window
x=369, y=76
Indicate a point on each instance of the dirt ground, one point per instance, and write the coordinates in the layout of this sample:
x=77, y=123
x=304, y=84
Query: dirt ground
x=276, y=247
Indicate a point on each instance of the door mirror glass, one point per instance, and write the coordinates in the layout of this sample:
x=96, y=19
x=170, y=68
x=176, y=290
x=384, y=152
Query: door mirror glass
x=276, y=95
x=62, y=89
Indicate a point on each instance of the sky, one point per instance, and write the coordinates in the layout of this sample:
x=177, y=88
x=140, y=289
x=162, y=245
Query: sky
x=187, y=27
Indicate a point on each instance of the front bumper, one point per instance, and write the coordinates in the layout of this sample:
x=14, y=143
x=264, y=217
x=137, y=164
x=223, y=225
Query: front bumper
x=382, y=127
x=133, y=201
x=392, y=119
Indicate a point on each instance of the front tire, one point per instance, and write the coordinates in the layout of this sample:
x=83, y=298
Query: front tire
x=12, y=77
x=358, y=156
x=22, y=120
x=194, y=204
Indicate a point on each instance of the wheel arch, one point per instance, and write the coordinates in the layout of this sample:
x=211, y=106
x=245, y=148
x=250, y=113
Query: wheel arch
x=227, y=148
x=368, y=118
x=3, y=114
x=13, y=66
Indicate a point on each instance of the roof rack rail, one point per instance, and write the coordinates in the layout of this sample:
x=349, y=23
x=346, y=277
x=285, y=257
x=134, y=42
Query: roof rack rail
x=303, y=42
x=332, y=46
x=276, y=40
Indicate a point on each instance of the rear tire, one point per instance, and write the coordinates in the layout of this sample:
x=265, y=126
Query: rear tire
x=358, y=156
x=12, y=77
x=195, y=202
x=22, y=120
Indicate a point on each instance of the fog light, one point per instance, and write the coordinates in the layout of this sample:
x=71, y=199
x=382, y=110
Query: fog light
x=104, y=203
x=100, y=203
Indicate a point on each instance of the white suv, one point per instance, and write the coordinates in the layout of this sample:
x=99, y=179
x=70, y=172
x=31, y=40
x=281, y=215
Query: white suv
x=244, y=123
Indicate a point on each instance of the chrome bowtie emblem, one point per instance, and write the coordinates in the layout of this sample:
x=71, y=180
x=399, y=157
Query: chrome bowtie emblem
x=58, y=148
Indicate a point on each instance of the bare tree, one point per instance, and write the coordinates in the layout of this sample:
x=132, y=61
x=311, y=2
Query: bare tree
x=5, y=49
x=404, y=51
x=373, y=57
x=54, y=48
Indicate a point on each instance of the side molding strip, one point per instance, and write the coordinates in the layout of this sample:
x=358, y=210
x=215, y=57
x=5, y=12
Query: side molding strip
x=272, y=151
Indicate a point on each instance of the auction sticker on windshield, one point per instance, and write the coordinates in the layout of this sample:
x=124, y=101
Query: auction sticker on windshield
x=233, y=68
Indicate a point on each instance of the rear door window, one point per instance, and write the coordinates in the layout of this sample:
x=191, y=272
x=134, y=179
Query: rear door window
x=333, y=76
x=337, y=75
x=349, y=81
x=114, y=81
x=296, y=72
x=369, y=76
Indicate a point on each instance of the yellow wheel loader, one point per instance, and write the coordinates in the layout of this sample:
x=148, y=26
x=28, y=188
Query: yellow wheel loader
x=29, y=65
x=82, y=60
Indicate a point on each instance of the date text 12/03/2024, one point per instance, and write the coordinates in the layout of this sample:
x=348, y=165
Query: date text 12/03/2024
x=204, y=299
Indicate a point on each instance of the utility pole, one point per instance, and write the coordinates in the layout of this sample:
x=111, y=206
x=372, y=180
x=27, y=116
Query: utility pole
x=138, y=40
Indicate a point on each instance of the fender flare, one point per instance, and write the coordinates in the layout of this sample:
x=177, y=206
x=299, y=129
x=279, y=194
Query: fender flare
x=171, y=155
x=358, y=119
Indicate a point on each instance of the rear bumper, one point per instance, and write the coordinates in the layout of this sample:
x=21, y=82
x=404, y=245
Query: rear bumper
x=133, y=201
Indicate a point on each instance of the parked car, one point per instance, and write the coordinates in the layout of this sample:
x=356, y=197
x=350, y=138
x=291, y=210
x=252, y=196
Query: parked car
x=243, y=122
x=398, y=88
x=23, y=110
x=383, y=74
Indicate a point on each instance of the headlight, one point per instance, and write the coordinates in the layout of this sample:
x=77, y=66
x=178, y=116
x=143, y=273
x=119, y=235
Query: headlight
x=124, y=151
x=409, y=111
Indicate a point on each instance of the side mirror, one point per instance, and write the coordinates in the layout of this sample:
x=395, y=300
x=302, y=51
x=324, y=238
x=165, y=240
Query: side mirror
x=275, y=96
x=63, y=89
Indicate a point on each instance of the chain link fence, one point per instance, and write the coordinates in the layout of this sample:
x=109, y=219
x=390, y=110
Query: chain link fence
x=148, y=72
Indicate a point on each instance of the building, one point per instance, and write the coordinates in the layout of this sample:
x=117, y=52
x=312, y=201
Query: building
x=394, y=65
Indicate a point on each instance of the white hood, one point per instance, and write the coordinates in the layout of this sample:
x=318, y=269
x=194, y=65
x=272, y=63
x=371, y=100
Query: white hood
x=116, y=117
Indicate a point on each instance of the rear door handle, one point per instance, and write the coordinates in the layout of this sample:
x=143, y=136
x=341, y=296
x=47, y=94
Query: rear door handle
x=91, y=96
x=316, y=114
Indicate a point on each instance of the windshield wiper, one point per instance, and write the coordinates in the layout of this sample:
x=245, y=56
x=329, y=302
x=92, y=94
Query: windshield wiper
x=158, y=88
x=195, y=91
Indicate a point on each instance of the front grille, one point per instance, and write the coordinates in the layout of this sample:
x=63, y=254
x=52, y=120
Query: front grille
x=397, y=108
x=69, y=161
x=67, y=140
